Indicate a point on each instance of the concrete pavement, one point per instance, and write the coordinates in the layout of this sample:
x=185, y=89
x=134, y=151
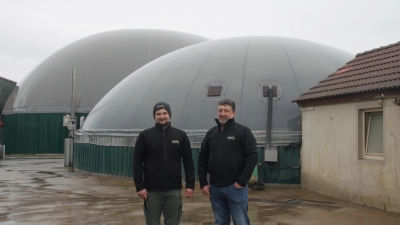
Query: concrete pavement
x=40, y=190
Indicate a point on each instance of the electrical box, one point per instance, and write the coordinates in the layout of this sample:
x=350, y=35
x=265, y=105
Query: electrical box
x=270, y=155
x=69, y=122
x=66, y=118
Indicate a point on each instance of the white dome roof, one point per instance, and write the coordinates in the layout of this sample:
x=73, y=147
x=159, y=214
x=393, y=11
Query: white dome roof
x=101, y=61
x=241, y=66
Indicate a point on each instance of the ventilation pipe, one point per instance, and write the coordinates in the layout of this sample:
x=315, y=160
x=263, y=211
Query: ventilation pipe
x=271, y=154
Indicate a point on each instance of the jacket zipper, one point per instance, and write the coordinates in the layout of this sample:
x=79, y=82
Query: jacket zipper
x=219, y=147
x=165, y=161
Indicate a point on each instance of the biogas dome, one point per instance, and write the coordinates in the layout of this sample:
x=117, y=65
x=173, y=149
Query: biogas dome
x=192, y=80
x=34, y=112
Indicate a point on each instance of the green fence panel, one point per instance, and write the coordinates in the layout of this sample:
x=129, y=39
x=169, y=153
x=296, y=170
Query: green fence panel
x=116, y=160
x=286, y=171
x=1, y=135
x=35, y=133
x=112, y=160
x=9, y=131
x=195, y=156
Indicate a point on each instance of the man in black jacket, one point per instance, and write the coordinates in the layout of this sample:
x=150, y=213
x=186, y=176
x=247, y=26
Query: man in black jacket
x=157, y=168
x=229, y=154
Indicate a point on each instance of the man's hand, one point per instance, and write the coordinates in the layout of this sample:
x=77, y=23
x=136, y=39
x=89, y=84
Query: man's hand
x=189, y=193
x=237, y=185
x=206, y=190
x=143, y=194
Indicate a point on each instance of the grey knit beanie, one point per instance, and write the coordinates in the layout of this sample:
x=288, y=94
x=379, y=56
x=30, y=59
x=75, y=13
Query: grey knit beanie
x=161, y=105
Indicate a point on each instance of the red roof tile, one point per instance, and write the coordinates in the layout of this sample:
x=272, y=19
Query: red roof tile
x=372, y=70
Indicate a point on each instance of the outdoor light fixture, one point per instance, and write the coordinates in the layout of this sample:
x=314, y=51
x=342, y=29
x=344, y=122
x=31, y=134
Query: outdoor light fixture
x=397, y=101
x=380, y=97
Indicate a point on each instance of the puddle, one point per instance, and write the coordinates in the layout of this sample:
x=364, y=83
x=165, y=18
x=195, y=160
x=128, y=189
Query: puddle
x=261, y=200
x=38, y=180
x=304, y=202
x=46, y=185
x=75, y=177
x=294, y=201
x=50, y=173
x=312, y=203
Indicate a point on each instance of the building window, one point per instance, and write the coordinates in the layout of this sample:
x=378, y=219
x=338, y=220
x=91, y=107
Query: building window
x=214, y=92
x=372, y=135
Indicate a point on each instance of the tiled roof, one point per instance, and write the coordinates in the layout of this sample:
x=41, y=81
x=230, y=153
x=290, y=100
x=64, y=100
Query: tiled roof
x=372, y=70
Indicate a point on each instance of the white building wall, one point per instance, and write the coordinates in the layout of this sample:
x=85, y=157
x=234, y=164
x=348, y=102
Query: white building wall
x=330, y=157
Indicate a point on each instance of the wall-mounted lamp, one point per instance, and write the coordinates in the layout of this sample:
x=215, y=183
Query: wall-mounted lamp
x=380, y=97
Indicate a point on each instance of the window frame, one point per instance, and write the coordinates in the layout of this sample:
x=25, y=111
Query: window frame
x=364, y=129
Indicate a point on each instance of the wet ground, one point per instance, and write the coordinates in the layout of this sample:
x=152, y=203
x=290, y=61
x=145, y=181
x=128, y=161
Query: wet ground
x=42, y=191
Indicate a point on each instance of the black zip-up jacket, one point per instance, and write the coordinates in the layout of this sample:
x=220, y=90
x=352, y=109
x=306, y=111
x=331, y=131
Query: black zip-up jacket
x=229, y=156
x=158, y=155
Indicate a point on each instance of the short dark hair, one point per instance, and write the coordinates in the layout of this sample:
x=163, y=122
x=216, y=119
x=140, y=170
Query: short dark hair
x=227, y=101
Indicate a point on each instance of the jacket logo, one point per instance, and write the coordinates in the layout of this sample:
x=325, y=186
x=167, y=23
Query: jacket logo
x=175, y=141
x=231, y=137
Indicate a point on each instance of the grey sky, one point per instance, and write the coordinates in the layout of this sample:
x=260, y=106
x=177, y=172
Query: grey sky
x=30, y=31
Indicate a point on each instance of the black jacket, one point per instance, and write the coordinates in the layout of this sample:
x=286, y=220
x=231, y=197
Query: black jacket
x=158, y=155
x=229, y=156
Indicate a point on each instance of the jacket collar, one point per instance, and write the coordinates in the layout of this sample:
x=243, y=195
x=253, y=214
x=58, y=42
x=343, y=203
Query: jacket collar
x=227, y=124
x=158, y=127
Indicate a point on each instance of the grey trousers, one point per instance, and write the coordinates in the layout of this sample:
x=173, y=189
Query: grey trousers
x=168, y=202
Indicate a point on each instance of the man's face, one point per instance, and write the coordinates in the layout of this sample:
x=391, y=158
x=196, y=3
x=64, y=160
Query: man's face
x=162, y=117
x=225, y=112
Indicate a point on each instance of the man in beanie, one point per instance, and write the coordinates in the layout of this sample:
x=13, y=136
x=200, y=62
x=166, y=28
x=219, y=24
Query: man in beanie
x=157, y=168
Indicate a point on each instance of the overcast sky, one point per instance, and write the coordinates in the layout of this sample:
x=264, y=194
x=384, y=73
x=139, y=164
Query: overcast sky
x=32, y=30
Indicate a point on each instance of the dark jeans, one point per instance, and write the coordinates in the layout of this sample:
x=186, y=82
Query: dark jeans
x=168, y=202
x=227, y=202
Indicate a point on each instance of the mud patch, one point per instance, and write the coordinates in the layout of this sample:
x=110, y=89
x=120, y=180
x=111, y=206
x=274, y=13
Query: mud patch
x=3, y=217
